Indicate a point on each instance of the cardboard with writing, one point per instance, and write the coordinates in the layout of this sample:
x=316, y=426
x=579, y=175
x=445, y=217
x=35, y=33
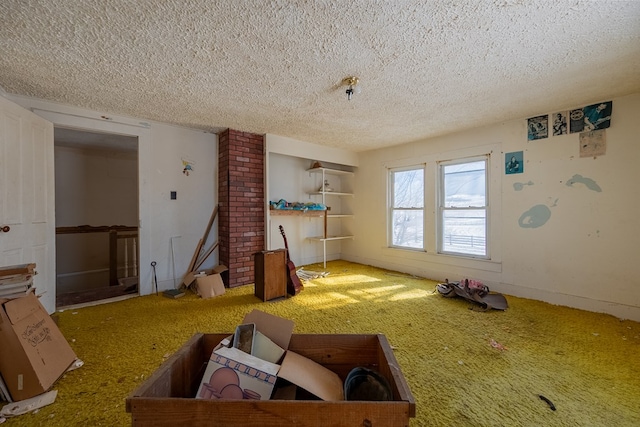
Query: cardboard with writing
x=34, y=351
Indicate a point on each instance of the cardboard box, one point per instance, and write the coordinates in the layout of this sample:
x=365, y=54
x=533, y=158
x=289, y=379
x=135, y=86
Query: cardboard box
x=167, y=397
x=191, y=276
x=34, y=351
x=208, y=282
x=210, y=286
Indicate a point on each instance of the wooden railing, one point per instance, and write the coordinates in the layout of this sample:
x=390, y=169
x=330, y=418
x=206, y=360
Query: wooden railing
x=116, y=232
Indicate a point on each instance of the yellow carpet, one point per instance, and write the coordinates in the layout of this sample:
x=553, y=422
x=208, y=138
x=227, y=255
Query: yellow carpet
x=587, y=364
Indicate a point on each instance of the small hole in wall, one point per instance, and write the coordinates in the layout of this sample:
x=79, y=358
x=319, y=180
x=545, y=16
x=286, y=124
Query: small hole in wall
x=174, y=195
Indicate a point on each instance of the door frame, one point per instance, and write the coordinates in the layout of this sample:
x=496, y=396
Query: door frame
x=82, y=144
x=126, y=127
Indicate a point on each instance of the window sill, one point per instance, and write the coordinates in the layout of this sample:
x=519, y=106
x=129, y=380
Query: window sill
x=452, y=260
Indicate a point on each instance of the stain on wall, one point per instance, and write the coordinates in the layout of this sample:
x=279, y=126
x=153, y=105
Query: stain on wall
x=588, y=182
x=535, y=217
x=518, y=186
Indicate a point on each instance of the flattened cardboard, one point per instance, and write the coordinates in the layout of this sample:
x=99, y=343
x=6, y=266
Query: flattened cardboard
x=34, y=351
x=16, y=286
x=234, y=374
x=27, y=269
x=266, y=349
x=311, y=376
x=248, y=339
x=275, y=328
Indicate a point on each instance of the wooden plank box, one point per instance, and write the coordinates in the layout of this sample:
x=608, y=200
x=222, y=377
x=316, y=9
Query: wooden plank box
x=167, y=397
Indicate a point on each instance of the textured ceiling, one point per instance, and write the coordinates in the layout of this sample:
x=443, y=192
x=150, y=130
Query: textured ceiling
x=426, y=68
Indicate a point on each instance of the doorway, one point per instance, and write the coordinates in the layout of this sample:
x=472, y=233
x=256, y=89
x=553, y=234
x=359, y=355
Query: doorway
x=96, y=206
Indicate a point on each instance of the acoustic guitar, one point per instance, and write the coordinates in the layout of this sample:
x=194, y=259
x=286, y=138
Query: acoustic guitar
x=294, y=285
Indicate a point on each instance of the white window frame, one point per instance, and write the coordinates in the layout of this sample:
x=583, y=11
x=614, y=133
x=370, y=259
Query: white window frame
x=442, y=209
x=392, y=208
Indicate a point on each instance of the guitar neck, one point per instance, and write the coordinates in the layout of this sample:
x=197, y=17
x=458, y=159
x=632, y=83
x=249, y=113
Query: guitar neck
x=286, y=245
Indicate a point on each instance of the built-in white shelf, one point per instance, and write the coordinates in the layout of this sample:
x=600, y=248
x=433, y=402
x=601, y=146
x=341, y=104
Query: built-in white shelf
x=324, y=239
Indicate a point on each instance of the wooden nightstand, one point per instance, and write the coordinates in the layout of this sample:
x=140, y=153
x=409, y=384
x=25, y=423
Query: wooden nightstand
x=270, y=274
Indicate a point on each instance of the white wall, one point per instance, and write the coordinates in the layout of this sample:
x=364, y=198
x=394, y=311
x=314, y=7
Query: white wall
x=162, y=148
x=585, y=256
x=105, y=180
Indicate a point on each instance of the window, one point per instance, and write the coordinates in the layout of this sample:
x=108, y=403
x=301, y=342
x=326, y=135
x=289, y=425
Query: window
x=462, y=227
x=447, y=214
x=407, y=207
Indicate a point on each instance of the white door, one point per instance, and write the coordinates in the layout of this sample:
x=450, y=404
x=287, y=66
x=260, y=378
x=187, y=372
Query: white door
x=27, y=211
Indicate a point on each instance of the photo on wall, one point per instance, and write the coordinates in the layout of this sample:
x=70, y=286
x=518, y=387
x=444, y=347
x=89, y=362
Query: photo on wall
x=538, y=127
x=514, y=162
x=590, y=118
x=559, y=125
x=593, y=144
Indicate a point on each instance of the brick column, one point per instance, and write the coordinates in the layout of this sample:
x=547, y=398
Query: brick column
x=241, y=200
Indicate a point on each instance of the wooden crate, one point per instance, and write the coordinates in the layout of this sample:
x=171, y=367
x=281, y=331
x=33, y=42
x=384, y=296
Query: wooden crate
x=167, y=397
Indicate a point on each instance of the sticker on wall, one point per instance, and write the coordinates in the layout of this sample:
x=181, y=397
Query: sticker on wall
x=187, y=167
x=514, y=162
x=593, y=144
x=538, y=127
x=590, y=118
x=559, y=125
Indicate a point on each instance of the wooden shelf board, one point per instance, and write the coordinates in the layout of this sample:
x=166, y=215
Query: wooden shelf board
x=323, y=239
x=295, y=212
x=329, y=171
x=330, y=193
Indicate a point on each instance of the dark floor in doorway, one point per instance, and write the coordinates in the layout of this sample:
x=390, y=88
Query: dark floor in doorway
x=97, y=294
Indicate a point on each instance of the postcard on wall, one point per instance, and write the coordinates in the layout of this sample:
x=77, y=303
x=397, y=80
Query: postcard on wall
x=559, y=124
x=514, y=162
x=538, y=127
x=592, y=117
x=593, y=143
x=187, y=166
